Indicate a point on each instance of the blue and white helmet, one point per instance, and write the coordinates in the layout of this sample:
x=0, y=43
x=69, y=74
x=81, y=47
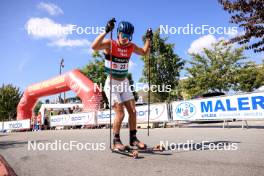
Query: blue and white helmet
x=126, y=27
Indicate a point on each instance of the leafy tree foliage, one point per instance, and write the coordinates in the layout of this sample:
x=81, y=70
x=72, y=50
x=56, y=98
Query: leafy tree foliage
x=248, y=14
x=9, y=99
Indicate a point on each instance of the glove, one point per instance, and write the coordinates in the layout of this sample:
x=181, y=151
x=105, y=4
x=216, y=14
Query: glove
x=110, y=25
x=149, y=34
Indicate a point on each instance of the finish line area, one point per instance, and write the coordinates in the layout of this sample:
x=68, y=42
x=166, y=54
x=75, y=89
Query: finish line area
x=239, y=152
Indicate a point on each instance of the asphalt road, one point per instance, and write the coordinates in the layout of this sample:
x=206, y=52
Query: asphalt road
x=240, y=152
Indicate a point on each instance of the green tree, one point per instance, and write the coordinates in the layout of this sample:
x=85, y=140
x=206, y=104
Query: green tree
x=94, y=70
x=37, y=107
x=250, y=77
x=164, y=65
x=249, y=15
x=214, y=70
x=9, y=99
x=260, y=76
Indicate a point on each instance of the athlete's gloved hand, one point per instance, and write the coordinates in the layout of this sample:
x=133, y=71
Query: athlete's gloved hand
x=149, y=34
x=110, y=25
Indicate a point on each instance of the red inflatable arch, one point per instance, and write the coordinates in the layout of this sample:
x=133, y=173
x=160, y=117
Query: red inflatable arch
x=73, y=80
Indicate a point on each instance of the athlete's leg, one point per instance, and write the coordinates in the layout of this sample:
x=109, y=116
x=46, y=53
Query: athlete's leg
x=119, y=116
x=132, y=120
x=131, y=109
x=118, y=108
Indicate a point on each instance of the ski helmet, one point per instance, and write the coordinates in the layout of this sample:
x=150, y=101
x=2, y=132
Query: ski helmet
x=126, y=27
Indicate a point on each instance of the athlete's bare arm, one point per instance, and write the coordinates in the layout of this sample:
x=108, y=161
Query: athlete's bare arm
x=100, y=43
x=142, y=51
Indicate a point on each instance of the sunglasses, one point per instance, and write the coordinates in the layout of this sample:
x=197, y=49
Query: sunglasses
x=127, y=36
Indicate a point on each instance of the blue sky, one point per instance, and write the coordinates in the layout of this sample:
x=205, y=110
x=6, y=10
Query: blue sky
x=29, y=58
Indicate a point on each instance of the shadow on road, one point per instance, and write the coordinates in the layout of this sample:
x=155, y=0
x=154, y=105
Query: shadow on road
x=15, y=144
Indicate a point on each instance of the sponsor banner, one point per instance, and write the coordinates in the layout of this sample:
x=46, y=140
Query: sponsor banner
x=241, y=107
x=103, y=117
x=158, y=113
x=73, y=119
x=17, y=125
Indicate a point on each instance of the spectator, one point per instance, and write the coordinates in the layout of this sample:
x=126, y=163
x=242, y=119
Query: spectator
x=70, y=110
x=73, y=109
x=77, y=109
x=35, y=122
x=64, y=111
x=39, y=117
x=46, y=123
x=51, y=112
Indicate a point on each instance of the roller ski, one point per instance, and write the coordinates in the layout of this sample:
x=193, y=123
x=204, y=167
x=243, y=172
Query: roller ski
x=127, y=151
x=119, y=148
x=140, y=146
x=146, y=149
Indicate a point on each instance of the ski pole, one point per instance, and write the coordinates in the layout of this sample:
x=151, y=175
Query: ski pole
x=111, y=33
x=149, y=55
x=111, y=37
